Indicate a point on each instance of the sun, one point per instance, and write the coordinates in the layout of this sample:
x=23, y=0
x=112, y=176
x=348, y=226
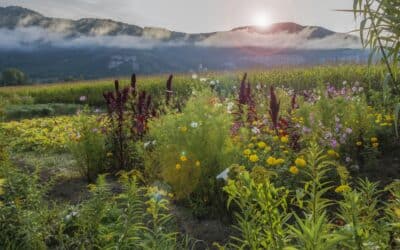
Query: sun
x=261, y=19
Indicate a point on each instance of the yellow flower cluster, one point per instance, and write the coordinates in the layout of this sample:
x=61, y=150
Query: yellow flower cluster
x=294, y=170
x=332, y=153
x=343, y=189
x=272, y=161
x=300, y=162
x=39, y=134
x=384, y=120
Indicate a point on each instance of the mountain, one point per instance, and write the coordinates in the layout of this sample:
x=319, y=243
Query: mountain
x=14, y=17
x=53, y=49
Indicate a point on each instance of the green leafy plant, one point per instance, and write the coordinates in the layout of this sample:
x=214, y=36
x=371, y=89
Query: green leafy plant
x=188, y=150
x=261, y=213
x=88, y=145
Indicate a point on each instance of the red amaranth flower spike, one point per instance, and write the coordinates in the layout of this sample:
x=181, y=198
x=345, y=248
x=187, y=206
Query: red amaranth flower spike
x=168, y=91
x=274, y=106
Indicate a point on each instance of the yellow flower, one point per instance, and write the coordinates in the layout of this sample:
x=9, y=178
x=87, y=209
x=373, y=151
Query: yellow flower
x=285, y=139
x=300, y=162
x=272, y=161
x=109, y=154
x=267, y=149
x=275, y=138
x=397, y=212
x=261, y=144
x=183, y=129
x=2, y=181
x=359, y=143
x=332, y=153
x=375, y=144
x=183, y=158
x=197, y=163
x=253, y=158
x=178, y=166
x=247, y=152
x=343, y=189
x=92, y=187
x=251, y=145
x=293, y=170
x=374, y=139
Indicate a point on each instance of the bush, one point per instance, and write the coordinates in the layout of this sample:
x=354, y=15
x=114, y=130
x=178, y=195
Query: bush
x=13, y=77
x=189, y=149
x=88, y=145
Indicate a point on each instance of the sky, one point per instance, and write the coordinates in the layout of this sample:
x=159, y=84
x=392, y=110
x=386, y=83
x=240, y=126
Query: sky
x=195, y=16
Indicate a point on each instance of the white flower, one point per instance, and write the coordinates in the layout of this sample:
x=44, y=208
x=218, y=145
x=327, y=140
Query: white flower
x=223, y=175
x=194, y=76
x=203, y=79
x=255, y=130
x=194, y=124
x=82, y=98
x=146, y=144
x=212, y=83
x=230, y=107
x=344, y=83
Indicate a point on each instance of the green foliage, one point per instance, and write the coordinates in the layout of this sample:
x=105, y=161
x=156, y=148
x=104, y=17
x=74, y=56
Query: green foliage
x=24, y=215
x=380, y=31
x=360, y=214
x=23, y=111
x=262, y=213
x=88, y=145
x=191, y=149
x=13, y=76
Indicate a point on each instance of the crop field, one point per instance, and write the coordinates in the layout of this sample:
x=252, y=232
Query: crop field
x=270, y=159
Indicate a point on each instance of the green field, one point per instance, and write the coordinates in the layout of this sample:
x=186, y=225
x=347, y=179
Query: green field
x=211, y=161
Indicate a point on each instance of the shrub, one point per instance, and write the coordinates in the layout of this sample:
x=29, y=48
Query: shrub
x=191, y=149
x=88, y=144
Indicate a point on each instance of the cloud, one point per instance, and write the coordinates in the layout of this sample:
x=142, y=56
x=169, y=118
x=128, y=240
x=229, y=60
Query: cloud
x=34, y=37
x=240, y=38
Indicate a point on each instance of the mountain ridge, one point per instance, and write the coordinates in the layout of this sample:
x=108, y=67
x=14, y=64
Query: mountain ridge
x=14, y=17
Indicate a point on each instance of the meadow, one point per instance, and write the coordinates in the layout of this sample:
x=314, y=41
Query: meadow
x=288, y=158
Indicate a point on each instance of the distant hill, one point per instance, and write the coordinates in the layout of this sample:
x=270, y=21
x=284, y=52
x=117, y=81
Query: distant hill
x=53, y=49
x=15, y=17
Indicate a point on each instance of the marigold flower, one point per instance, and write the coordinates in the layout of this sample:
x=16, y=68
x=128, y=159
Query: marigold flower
x=285, y=139
x=374, y=139
x=178, y=166
x=261, y=144
x=332, y=153
x=343, y=189
x=294, y=170
x=300, y=162
x=183, y=129
x=183, y=158
x=247, y=152
x=397, y=212
x=253, y=158
x=197, y=164
x=272, y=161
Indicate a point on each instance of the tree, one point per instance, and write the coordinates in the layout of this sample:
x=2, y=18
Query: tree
x=12, y=76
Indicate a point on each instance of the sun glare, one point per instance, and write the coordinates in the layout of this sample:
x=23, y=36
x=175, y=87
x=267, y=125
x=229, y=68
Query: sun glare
x=261, y=20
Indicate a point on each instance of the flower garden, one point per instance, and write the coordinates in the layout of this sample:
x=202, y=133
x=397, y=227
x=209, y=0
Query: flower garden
x=279, y=164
